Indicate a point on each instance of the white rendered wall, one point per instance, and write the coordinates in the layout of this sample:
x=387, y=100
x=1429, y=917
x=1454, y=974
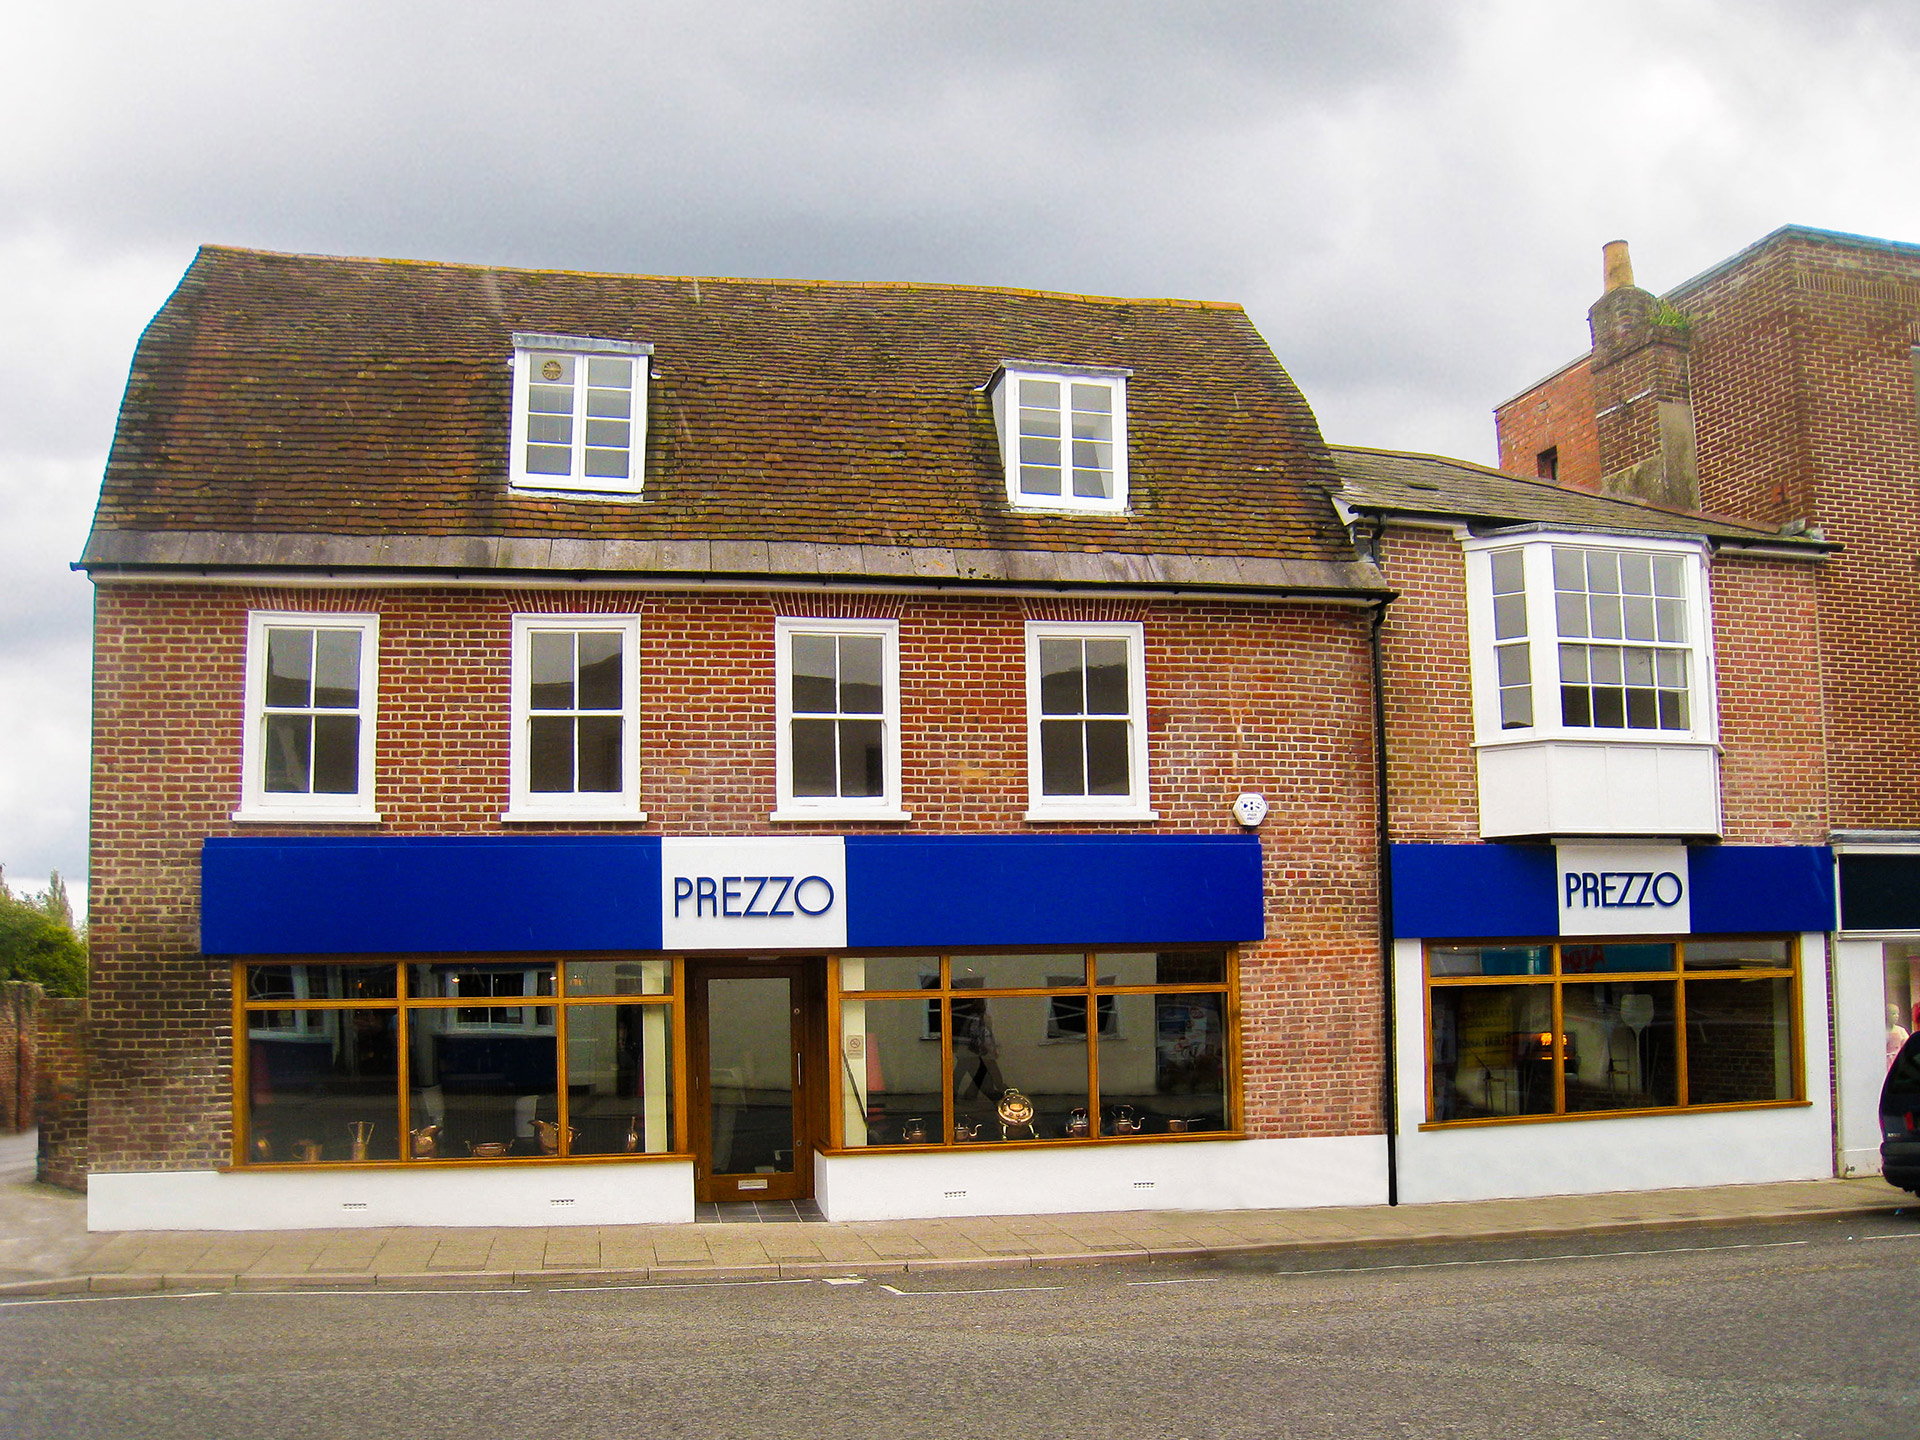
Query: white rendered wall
x=1578, y=787
x=623, y=1194
x=1187, y=1175
x=1638, y=1152
x=1860, y=1043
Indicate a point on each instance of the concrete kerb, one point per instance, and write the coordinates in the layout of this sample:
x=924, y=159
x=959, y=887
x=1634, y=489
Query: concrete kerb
x=698, y=1273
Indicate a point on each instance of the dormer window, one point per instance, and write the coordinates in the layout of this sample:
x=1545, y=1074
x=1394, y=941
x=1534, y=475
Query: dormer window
x=579, y=413
x=1063, y=436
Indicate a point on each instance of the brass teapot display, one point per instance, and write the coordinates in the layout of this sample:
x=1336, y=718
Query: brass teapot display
x=914, y=1132
x=488, y=1149
x=1177, y=1125
x=548, y=1134
x=1079, y=1123
x=308, y=1152
x=362, y=1132
x=1016, y=1113
x=1125, y=1122
x=963, y=1132
x=424, y=1142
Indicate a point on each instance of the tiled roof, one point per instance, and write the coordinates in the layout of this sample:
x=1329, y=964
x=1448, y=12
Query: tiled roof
x=291, y=395
x=1397, y=483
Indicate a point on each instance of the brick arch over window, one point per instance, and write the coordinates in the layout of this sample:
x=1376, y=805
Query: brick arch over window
x=1072, y=608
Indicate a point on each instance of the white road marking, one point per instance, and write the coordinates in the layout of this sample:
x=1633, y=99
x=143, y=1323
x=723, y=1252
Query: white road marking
x=104, y=1299
x=1008, y=1290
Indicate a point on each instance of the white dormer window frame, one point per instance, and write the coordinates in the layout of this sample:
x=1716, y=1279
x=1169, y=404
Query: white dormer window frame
x=579, y=414
x=1063, y=436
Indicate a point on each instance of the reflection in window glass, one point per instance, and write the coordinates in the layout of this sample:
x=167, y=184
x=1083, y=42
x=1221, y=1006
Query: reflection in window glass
x=458, y=981
x=1171, y=967
x=477, y=1092
x=618, y=1064
x=320, y=982
x=323, y=1085
x=1614, y=959
x=890, y=972
x=1014, y=972
x=1490, y=960
x=1620, y=1040
x=1739, y=1041
x=619, y=977
x=1737, y=954
x=999, y=1044
x=1487, y=1056
x=889, y=1075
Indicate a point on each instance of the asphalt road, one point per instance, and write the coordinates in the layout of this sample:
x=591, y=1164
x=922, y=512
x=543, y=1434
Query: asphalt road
x=1761, y=1331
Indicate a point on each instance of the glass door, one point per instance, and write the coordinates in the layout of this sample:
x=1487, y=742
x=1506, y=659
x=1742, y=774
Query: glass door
x=750, y=1122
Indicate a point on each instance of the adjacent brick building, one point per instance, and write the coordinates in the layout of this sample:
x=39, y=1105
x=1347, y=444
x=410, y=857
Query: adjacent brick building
x=579, y=747
x=1782, y=387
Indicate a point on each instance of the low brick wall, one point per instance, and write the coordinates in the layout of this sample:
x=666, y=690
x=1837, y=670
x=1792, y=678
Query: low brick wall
x=20, y=1002
x=62, y=1092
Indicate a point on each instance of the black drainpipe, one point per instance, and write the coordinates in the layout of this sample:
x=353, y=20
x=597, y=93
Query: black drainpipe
x=1389, y=1103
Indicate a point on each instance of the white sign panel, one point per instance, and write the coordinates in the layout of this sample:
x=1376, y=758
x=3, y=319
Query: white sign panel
x=753, y=893
x=1624, y=890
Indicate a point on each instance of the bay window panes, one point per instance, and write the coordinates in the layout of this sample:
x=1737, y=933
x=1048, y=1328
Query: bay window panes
x=479, y=1087
x=320, y=982
x=576, y=701
x=619, y=1060
x=1084, y=724
x=1000, y=1044
x=619, y=977
x=1620, y=1047
x=1171, y=967
x=1512, y=660
x=890, y=972
x=322, y=1086
x=838, y=715
x=889, y=1074
x=1487, y=1052
x=1490, y=960
x=1602, y=595
x=312, y=720
x=1015, y=972
x=1739, y=1041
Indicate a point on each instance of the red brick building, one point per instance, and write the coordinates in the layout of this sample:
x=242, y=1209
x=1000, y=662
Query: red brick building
x=1611, y=891
x=1782, y=387
x=586, y=747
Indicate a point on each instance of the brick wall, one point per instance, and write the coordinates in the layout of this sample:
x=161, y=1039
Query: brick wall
x=1556, y=414
x=1766, y=649
x=63, y=1086
x=19, y=1026
x=1803, y=390
x=1273, y=698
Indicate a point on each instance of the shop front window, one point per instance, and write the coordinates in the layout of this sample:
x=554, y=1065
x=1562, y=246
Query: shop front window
x=1604, y=1027
x=467, y=1061
x=988, y=1049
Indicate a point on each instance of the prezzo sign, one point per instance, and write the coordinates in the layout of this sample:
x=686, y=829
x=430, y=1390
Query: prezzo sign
x=753, y=893
x=1623, y=890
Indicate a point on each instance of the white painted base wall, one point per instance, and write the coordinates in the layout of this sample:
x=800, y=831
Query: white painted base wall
x=1639, y=1152
x=1227, y=1175
x=624, y=1194
x=1860, y=1050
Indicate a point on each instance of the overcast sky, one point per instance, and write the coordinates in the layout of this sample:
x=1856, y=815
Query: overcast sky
x=1409, y=198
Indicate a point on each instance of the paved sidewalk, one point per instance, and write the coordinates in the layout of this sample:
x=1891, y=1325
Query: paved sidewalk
x=45, y=1248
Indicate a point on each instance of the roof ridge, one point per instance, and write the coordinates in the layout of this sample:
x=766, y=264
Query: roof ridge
x=794, y=281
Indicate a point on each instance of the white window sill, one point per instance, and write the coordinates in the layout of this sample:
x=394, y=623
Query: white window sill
x=564, y=817
x=841, y=815
x=294, y=815
x=1680, y=738
x=1078, y=817
x=548, y=490
x=1027, y=505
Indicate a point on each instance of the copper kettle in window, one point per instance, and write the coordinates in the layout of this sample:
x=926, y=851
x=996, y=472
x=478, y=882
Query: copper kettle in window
x=548, y=1133
x=424, y=1142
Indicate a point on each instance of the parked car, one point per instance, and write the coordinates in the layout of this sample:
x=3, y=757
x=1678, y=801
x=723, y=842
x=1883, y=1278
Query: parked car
x=1900, y=1119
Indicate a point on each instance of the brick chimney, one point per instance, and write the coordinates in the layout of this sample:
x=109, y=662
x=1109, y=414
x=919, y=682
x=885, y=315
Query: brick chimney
x=1643, y=407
